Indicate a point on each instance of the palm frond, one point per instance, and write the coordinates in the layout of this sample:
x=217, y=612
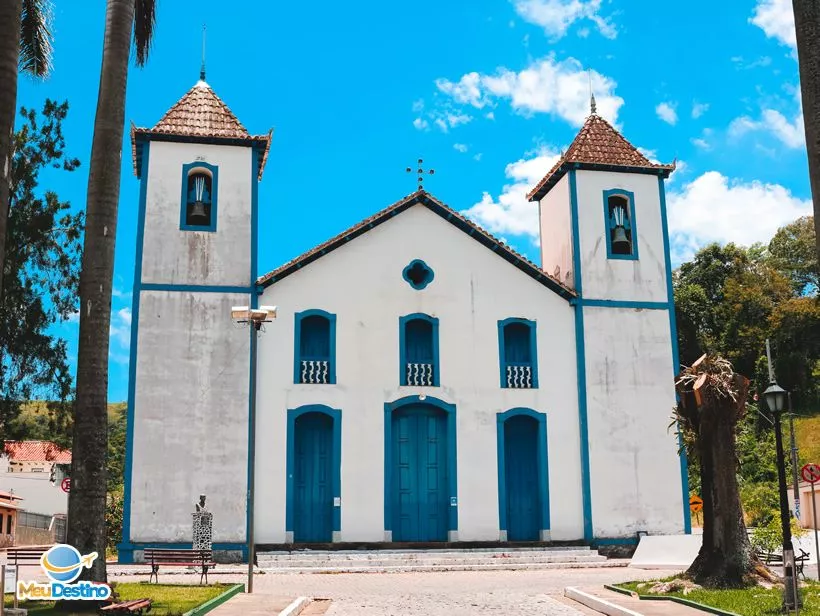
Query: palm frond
x=35, y=37
x=145, y=20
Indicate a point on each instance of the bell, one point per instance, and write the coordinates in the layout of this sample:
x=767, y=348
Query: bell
x=198, y=215
x=620, y=243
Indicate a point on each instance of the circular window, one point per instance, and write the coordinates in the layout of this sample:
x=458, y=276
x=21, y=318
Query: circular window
x=418, y=274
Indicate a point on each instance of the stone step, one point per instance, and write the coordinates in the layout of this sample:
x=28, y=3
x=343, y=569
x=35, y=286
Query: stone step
x=443, y=562
x=459, y=551
x=421, y=567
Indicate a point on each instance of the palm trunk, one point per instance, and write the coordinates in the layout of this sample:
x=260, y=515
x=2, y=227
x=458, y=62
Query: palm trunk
x=807, y=28
x=10, y=14
x=86, y=525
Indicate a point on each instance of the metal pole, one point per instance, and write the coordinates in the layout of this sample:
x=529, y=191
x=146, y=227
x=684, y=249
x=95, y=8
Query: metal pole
x=3, y=586
x=254, y=329
x=795, y=478
x=814, y=516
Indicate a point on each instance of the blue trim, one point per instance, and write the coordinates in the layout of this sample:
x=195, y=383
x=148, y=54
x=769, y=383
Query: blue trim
x=297, y=340
x=452, y=469
x=599, y=541
x=543, y=465
x=633, y=224
x=125, y=551
x=411, y=265
x=402, y=361
x=673, y=332
x=336, y=480
x=183, y=205
x=254, y=303
x=580, y=358
x=615, y=303
x=569, y=165
x=502, y=359
x=197, y=288
x=132, y=361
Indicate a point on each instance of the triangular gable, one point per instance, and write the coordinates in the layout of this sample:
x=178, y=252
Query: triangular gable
x=420, y=197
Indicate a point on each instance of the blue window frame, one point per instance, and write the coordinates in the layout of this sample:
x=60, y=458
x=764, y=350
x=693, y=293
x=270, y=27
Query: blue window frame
x=621, y=226
x=198, y=204
x=315, y=348
x=418, y=274
x=518, y=353
x=418, y=350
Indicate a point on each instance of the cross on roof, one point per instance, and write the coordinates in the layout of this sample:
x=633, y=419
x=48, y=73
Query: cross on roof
x=420, y=172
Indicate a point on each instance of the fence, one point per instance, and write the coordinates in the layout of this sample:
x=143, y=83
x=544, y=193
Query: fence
x=39, y=529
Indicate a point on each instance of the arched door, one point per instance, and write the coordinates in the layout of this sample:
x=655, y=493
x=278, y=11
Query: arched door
x=419, y=473
x=312, y=481
x=523, y=496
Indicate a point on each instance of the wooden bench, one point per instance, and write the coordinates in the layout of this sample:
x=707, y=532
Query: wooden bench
x=776, y=558
x=179, y=558
x=137, y=606
x=24, y=556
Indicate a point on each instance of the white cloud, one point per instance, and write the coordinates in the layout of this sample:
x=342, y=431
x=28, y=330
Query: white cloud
x=701, y=143
x=418, y=105
x=121, y=293
x=511, y=213
x=652, y=155
x=790, y=132
x=546, y=86
x=667, y=113
x=477, y=157
x=713, y=208
x=120, y=329
x=556, y=16
x=460, y=147
x=421, y=124
x=698, y=109
x=776, y=19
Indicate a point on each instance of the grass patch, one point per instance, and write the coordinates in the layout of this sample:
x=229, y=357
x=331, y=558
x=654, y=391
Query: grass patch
x=807, y=435
x=168, y=599
x=756, y=601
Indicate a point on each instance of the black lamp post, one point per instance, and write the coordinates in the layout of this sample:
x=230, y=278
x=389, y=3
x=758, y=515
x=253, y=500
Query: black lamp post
x=776, y=401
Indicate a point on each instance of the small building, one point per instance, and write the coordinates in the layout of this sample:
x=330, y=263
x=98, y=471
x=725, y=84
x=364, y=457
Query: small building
x=8, y=517
x=34, y=470
x=808, y=502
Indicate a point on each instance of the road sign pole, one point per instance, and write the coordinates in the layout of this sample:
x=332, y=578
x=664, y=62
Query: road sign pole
x=814, y=516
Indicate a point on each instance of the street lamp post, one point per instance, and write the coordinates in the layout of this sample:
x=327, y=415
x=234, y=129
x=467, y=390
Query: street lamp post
x=254, y=318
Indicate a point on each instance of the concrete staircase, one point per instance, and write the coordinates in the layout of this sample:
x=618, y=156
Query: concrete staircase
x=385, y=561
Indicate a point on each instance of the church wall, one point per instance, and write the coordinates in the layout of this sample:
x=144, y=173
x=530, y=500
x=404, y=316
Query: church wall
x=556, y=233
x=635, y=469
x=362, y=284
x=171, y=256
x=643, y=279
x=191, y=412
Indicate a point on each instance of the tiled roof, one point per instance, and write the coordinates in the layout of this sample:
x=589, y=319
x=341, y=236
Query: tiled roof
x=36, y=451
x=421, y=197
x=200, y=114
x=9, y=496
x=597, y=143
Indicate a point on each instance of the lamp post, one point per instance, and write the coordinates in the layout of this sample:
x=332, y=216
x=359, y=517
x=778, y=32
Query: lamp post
x=254, y=318
x=776, y=399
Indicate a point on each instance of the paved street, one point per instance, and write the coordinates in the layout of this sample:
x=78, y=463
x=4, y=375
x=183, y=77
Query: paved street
x=460, y=593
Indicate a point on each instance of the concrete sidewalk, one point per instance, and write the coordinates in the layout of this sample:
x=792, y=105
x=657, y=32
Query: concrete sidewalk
x=616, y=604
x=261, y=604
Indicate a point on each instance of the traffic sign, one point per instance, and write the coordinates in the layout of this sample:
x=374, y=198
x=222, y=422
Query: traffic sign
x=811, y=473
x=65, y=484
x=696, y=504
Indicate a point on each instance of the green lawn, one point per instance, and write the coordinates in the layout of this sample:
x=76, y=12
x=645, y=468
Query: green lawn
x=807, y=434
x=748, y=602
x=168, y=600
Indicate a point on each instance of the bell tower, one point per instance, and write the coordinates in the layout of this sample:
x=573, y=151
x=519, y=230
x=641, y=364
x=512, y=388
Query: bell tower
x=604, y=233
x=189, y=371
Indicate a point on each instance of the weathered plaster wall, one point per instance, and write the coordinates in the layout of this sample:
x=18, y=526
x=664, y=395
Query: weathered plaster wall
x=556, y=233
x=39, y=496
x=473, y=289
x=191, y=413
x=639, y=280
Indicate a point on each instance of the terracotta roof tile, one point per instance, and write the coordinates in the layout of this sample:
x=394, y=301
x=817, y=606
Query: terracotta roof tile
x=36, y=451
x=446, y=212
x=200, y=113
x=597, y=143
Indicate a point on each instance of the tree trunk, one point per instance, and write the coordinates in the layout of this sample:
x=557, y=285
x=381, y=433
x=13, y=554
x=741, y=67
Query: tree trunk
x=10, y=15
x=807, y=28
x=86, y=515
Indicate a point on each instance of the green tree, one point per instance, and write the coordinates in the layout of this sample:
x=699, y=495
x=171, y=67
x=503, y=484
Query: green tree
x=87, y=500
x=40, y=278
x=25, y=44
x=793, y=253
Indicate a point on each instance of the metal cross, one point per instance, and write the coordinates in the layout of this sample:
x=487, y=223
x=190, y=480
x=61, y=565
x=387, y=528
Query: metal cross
x=420, y=171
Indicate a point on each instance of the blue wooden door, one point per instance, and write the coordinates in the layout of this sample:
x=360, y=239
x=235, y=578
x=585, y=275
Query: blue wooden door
x=312, y=481
x=521, y=470
x=419, y=485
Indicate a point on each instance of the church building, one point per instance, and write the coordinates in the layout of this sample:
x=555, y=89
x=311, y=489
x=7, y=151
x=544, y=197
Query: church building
x=422, y=381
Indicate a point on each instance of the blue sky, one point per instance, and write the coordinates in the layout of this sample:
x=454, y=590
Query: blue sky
x=488, y=92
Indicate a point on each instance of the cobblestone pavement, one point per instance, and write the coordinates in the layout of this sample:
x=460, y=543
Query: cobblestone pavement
x=457, y=593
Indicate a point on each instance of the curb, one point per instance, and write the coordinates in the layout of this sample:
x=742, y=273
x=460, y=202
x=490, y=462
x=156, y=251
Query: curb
x=686, y=602
x=296, y=607
x=206, y=607
x=596, y=603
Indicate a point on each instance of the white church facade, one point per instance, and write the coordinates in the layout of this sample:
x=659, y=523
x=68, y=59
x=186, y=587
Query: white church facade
x=422, y=382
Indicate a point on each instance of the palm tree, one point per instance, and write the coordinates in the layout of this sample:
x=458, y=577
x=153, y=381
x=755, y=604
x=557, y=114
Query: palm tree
x=807, y=28
x=25, y=44
x=86, y=505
